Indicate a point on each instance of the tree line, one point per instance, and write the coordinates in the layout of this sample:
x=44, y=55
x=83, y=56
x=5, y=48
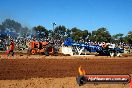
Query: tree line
x=61, y=32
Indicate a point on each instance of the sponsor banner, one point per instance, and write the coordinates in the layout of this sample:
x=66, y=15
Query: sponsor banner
x=103, y=79
x=108, y=78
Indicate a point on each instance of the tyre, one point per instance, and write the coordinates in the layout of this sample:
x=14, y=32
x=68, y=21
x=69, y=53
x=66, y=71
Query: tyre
x=118, y=53
x=46, y=53
x=112, y=54
x=50, y=49
x=33, y=51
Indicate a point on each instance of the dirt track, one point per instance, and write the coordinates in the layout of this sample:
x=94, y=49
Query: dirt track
x=58, y=71
x=17, y=69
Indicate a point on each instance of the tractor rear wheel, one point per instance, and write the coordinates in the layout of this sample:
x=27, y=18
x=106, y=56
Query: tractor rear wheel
x=33, y=51
x=50, y=50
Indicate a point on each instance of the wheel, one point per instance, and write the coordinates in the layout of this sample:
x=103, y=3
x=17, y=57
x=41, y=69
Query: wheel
x=112, y=53
x=33, y=51
x=50, y=50
x=118, y=53
x=47, y=53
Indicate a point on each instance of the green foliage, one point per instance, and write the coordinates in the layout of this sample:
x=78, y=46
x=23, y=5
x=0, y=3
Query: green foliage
x=2, y=28
x=78, y=34
x=128, y=38
x=12, y=25
x=51, y=33
x=117, y=38
x=61, y=32
x=40, y=31
x=25, y=32
x=100, y=35
x=68, y=33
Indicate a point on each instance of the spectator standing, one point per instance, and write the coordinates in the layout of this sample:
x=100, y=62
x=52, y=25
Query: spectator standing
x=11, y=49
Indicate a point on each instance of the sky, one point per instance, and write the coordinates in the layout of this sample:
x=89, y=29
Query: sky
x=115, y=15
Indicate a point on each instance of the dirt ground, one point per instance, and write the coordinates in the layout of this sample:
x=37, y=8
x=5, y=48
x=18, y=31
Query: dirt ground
x=67, y=82
x=37, y=71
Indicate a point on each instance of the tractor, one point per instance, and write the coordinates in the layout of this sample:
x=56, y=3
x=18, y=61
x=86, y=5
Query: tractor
x=73, y=48
x=110, y=50
x=41, y=48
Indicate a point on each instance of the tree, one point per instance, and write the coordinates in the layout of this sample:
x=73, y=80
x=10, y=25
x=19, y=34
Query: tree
x=68, y=33
x=59, y=32
x=25, y=31
x=2, y=32
x=51, y=34
x=117, y=38
x=85, y=35
x=2, y=28
x=76, y=34
x=40, y=32
x=101, y=35
x=128, y=38
x=12, y=25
